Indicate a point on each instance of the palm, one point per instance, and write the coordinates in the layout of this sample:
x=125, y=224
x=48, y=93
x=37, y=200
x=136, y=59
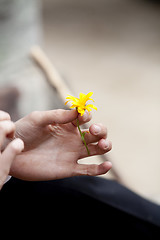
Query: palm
x=60, y=145
x=60, y=139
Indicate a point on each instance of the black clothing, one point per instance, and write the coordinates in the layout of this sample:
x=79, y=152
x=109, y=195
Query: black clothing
x=80, y=205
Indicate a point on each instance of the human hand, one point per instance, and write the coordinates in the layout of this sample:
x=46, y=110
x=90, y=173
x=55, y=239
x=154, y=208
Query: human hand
x=8, y=153
x=53, y=146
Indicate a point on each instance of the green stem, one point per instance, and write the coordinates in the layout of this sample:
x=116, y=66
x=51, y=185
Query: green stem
x=82, y=137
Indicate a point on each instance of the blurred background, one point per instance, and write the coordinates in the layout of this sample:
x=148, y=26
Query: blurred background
x=110, y=47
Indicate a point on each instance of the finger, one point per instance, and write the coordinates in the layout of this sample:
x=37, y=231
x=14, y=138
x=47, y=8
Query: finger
x=102, y=147
x=83, y=119
x=4, y=116
x=95, y=133
x=8, y=155
x=93, y=169
x=13, y=148
x=43, y=118
x=6, y=128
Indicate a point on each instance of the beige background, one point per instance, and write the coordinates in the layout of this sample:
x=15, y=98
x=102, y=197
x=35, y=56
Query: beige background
x=113, y=49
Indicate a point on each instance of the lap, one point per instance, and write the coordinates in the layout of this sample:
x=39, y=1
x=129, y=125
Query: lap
x=90, y=201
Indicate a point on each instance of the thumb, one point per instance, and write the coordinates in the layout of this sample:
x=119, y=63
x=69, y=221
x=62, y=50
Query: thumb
x=61, y=116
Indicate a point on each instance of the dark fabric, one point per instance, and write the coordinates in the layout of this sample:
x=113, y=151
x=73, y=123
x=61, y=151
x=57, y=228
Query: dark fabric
x=88, y=205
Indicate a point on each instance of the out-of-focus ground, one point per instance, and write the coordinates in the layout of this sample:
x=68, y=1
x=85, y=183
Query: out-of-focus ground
x=112, y=48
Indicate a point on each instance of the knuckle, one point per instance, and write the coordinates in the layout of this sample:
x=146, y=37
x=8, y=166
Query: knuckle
x=104, y=129
x=35, y=116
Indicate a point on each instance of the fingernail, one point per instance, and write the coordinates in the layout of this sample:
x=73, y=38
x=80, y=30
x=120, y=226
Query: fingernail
x=106, y=145
x=97, y=129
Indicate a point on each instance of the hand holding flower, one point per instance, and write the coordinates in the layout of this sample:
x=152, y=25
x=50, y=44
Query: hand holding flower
x=53, y=146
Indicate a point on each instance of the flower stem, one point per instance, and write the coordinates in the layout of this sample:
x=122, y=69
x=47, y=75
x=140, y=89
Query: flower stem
x=82, y=137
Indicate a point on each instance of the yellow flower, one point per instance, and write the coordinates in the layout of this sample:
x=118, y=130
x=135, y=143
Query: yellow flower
x=80, y=103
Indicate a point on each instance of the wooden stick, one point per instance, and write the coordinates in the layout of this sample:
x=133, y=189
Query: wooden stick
x=51, y=73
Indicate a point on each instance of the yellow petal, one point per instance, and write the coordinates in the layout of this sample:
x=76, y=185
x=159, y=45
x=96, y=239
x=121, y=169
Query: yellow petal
x=81, y=110
x=82, y=98
x=88, y=109
x=91, y=106
x=89, y=94
x=67, y=102
x=72, y=98
x=72, y=106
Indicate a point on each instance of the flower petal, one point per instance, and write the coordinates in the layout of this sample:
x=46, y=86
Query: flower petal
x=72, y=98
x=91, y=106
x=67, y=102
x=89, y=94
x=81, y=110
